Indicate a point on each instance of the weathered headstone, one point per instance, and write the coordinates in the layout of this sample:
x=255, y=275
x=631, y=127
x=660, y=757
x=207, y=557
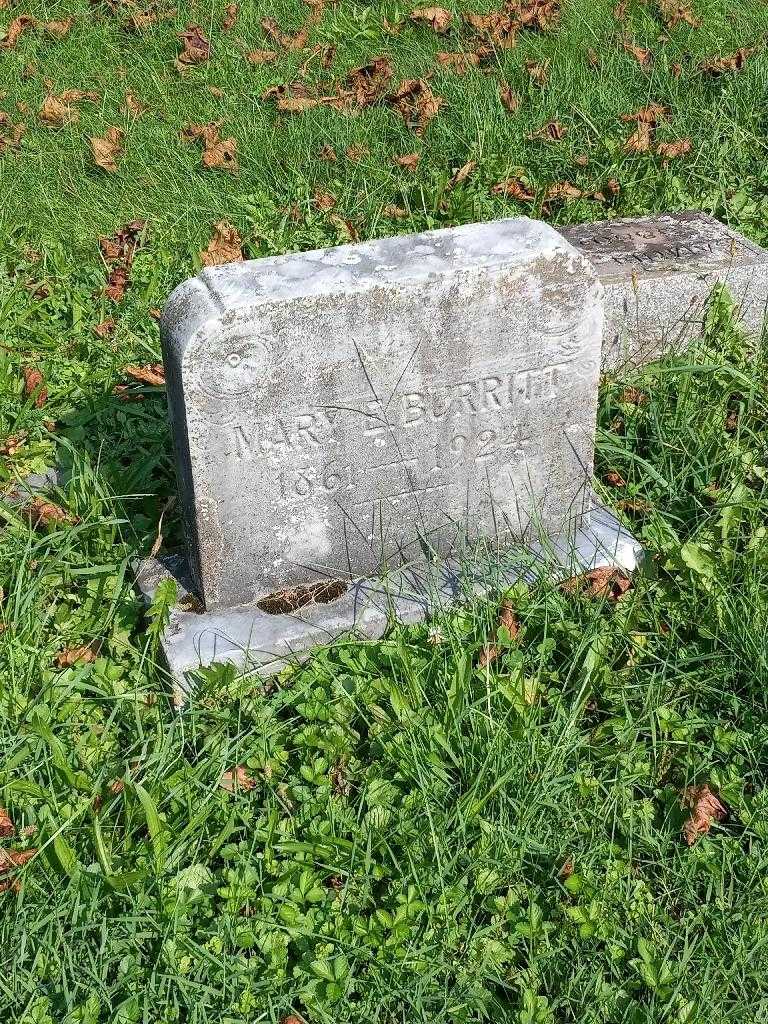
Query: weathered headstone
x=343, y=416
x=335, y=412
x=658, y=274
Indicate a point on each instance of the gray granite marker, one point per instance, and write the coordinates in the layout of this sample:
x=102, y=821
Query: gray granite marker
x=658, y=274
x=338, y=412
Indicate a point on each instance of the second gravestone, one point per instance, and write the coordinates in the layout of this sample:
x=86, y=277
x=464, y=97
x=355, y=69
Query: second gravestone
x=341, y=413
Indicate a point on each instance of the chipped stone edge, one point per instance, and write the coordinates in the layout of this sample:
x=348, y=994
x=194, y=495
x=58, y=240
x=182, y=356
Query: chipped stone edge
x=261, y=644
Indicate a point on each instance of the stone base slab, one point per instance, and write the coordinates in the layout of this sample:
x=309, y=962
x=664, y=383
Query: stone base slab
x=257, y=641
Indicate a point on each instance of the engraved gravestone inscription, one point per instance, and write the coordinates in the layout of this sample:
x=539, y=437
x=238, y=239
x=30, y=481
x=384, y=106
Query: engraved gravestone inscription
x=659, y=273
x=335, y=412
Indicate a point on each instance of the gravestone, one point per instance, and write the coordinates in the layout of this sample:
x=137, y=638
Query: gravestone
x=659, y=273
x=350, y=422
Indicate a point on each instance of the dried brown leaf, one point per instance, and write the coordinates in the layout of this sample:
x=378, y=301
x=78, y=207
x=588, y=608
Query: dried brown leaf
x=437, y=18
x=640, y=140
x=408, y=161
x=327, y=153
x=670, y=150
x=261, y=56
x=565, y=190
x=345, y=226
x=225, y=246
x=42, y=512
x=538, y=72
x=107, y=149
x=370, y=82
x=152, y=373
x=552, y=131
x=641, y=55
x=237, y=779
x=673, y=12
x=74, y=655
x=105, y=329
x=133, y=106
x=498, y=28
x=221, y=156
x=58, y=110
x=415, y=102
x=705, y=807
x=11, y=140
x=230, y=17
x=356, y=152
x=488, y=653
x=288, y=41
x=15, y=29
x=124, y=243
x=6, y=825
x=510, y=100
x=117, y=282
x=651, y=114
x=58, y=29
x=12, y=859
x=515, y=188
x=615, y=479
x=458, y=62
x=463, y=173
x=196, y=48
x=394, y=212
x=34, y=386
x=604, y=582
x=735, y=61
x=323, y=200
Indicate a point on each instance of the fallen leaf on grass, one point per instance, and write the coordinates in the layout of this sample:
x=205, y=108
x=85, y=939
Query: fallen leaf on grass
x=552, y=131
x=142, y=20
x=620, y=11
x=34, y=386
x=415, y=102
x=261, y=56
x=10, y=141
x=218, y=153
x=394, y=212
x=327, y=153
x=565, y=190
x=133, y=106
x=238, y=778
x=6, y=825
x=606, y=581
x=105, y=329
x=634, y=506
x=196, y=48
x=646, y=115
x=498, y=27
x=463, y=173
x=705, y=808
x=225, y=246
x=408, y=161
x=538, y=72
x=581, y=160
x=323, y=200
x=13, y=443
x=670, y=150
x=12, y=859
x=510, y=100
x=717, y=66
x=58, y=29
x=153, y=373
x=507, y=619
x=515, y=188
x=74, y=655
x=640, y=139
x=58, y=110
x=641, y=55
x=436, y=17
x=615, y=479
x=370, y=81
x=42, y=513
x=117, y=282
x=345, y=226
x=107, y=149
x=15, y=29
x=297, y=40
x=673, y=12
x=124, y=243
x=356, y=153
x=460, y=63
x=230, y=17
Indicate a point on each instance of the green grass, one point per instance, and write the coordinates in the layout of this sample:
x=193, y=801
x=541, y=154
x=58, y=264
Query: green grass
x=399, y=856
